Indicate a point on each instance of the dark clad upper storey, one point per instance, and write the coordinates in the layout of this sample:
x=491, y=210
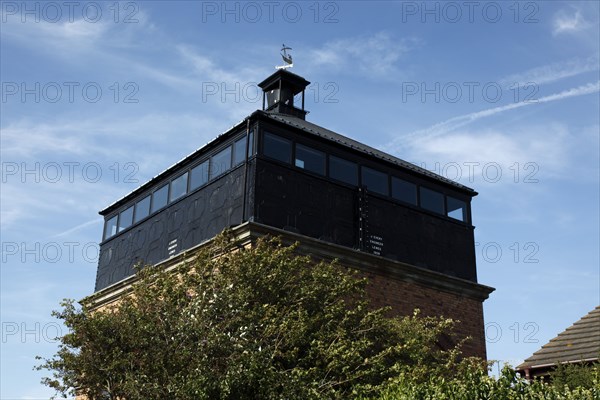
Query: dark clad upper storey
x=277, y=169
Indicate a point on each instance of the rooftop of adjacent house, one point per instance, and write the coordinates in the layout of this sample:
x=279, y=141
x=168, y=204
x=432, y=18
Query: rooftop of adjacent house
x=579, y=342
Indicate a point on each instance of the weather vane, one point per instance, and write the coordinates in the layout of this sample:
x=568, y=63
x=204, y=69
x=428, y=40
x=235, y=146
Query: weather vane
x=287, y=58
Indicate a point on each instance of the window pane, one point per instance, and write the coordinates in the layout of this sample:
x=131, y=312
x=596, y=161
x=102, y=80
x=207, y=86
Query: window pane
x=142, y=209
x=457, y=209
x=251, y=146
x=159, y=198
x=126, y=218
x=110, y=228
x=199, y=175
x=178, y=187
x=342, y=170
x=375, y=181
x=272, y=97
x=220, y=163
x=310, y=160
x=239, y=151
x=404, y=191
x=432, y=200
x=277, y=148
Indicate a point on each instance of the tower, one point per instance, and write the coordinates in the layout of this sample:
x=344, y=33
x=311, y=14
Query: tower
x=405, y=228
x=279, y=90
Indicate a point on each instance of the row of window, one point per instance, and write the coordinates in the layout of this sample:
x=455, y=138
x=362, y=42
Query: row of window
x=199, y=175
x=309, y=159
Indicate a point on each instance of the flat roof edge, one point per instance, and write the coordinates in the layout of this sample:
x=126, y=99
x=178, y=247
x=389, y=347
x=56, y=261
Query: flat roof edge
x=172, y=168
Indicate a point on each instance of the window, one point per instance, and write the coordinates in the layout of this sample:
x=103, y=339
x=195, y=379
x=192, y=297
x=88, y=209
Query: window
x=110, y=228
x=404, y=191
x=159, y=198
x=342, y=170
x=310, y=159
x=126, y=218
x=142, y=209
x=457, y=209
x=272, y=97
x=432, y=200
x=199, y=175
x=251, y=145
x=239, y=151
x=178, y=187
x=375, y=181
x=277, y=148
x=220, y=163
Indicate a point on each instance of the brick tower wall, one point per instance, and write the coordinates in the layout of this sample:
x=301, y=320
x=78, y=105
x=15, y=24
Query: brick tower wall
x=404, y=297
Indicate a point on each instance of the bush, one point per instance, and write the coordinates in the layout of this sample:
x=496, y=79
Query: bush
x=264, y=323
x=574, y=375
x=254, y=323
x=473, y=383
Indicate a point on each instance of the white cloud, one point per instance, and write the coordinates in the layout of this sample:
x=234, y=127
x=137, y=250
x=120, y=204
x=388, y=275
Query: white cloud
x=514, y=168
x=553, y=72
x=374, y=55
x=61, y=38
x=97, y=221
x=462, y=120
x=79, y=40
x=80, y=137
x=28, y=139
x=167, y=78
x=565, y=22
x=547, y=146
x=206, y=69
x=33, y=145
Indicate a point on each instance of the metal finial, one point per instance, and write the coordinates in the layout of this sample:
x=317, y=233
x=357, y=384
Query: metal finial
x=287, y=58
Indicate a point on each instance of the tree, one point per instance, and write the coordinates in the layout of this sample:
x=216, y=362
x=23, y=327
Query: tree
x=472, y=383
x=575, y=375
x=242, y=323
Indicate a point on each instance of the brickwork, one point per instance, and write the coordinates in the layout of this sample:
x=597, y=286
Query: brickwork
x=404, y=297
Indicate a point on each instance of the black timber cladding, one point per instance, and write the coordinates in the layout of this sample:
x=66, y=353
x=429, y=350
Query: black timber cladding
x=318, y=207
x=287, y=198
x=180, y=226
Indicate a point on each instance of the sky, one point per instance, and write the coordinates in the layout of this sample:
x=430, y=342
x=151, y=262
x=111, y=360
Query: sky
x=99, y=97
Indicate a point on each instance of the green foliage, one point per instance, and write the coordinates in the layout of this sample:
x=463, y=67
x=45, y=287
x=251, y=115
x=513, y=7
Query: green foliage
x=254, y=323
x=263, y=323
x=575, y=375
x=473, y=383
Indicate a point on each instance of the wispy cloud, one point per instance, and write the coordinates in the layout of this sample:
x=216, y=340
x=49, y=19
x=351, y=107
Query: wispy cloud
x=512, y=167
x=61, y=38
x=546, y=145
x=569, y=22
x=376, y=54
x=462, y=120
x=204, y=66
x=95, y=221
x=87, y=137
x=33, y=145
x=553, y=72
x=79, y=40
x=206, y=69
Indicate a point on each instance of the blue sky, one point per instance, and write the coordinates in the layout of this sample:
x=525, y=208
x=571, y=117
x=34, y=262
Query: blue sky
x=98, y=97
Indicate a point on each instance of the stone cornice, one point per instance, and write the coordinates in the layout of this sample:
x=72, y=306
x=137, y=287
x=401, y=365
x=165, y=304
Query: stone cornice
x=248, y=232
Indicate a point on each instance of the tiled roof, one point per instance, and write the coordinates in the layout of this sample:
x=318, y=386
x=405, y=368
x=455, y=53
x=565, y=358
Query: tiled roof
x=579, y=342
